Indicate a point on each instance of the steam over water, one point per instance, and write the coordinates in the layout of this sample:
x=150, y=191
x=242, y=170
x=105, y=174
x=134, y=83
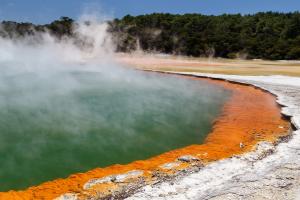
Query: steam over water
x=67, y=109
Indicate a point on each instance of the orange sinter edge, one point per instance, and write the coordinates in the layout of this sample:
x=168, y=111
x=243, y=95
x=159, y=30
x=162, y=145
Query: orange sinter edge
x=249, y=116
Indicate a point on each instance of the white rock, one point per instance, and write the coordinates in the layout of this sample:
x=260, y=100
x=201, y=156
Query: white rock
x=275, y=177
x=113, y=178
x=171, y=165
x=93, y=182
x=67, y=196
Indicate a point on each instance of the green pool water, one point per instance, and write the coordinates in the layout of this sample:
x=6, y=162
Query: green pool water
x=57, y=123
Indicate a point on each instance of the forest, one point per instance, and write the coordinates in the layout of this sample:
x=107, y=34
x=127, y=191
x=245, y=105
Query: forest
x=265, y=35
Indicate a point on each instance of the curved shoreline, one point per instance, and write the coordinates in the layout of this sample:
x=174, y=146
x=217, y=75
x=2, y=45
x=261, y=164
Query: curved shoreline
x=208, y=152
x=269, y=172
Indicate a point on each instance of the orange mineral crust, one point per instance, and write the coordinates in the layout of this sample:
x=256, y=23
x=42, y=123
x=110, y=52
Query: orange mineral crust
x=249, y=116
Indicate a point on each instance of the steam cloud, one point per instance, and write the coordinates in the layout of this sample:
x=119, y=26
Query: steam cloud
x=43, y=84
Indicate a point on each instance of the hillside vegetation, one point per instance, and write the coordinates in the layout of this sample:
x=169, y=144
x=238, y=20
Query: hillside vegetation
x=269, y=35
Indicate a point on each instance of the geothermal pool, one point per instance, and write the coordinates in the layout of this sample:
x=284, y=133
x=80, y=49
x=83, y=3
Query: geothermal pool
x=66, y=121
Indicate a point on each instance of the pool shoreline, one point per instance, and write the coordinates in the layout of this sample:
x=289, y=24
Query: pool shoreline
x=165, y=166
x=269, y=172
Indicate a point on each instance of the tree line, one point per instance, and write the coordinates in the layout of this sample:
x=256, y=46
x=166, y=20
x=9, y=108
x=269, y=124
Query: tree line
x=264, y=35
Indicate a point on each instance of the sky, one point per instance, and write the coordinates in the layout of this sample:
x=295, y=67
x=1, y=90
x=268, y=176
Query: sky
x=45, y=11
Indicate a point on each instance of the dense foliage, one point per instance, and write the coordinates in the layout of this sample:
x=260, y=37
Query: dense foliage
x=269, y=35
x=263, y=35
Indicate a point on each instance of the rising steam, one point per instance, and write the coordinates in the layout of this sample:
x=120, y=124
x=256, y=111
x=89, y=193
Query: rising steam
x=66, y=106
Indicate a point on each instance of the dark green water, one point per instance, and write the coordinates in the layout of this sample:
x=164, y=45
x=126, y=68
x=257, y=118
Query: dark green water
x=56, y=124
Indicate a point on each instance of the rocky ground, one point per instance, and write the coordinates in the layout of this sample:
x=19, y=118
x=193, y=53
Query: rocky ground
x=270, y=172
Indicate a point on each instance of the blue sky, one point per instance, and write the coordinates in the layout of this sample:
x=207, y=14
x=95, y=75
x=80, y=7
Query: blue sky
x=44, y=11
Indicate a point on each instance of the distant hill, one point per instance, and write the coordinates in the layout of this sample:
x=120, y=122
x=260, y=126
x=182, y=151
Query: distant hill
x=268, y=35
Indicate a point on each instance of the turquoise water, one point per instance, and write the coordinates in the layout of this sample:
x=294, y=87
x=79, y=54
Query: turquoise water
x=59, y=123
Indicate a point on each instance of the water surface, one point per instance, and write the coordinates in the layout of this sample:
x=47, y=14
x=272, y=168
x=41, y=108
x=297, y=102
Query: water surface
x=57, y=123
